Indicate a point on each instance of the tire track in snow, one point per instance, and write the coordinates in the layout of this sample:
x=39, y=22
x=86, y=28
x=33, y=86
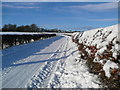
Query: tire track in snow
x=43, y=74
x=54, y=81
x=46, y=56
x=59, y=63
x=43, y=78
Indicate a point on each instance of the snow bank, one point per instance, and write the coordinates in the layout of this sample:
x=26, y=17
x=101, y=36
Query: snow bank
x=101, y=46
x=18, y=33
x=109, y=64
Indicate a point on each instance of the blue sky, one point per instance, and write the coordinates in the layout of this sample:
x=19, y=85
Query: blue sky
x=61, y=15
x=60, y=0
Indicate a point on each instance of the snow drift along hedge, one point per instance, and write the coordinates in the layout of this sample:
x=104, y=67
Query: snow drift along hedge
x=100, y=47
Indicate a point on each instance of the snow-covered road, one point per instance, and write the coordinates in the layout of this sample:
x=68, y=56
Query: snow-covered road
x=46, y=63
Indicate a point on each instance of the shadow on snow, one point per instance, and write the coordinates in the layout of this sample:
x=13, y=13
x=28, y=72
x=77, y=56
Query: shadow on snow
x=53, y=52
x=48, y=60
x=25, y=51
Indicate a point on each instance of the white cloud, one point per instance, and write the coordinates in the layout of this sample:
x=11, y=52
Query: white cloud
x=81, y=28
x=60, y=0
x=26, y=4
x=14, y=6
x=97, y=7
x=93, y=19
x=111, y=19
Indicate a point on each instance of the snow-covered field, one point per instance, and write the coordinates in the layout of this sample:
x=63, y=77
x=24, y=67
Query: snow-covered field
x=31, y=33
x=51, y=63
x=18, y=33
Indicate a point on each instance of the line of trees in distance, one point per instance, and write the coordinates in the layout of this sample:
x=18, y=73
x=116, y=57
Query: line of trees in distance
x=29, y=28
